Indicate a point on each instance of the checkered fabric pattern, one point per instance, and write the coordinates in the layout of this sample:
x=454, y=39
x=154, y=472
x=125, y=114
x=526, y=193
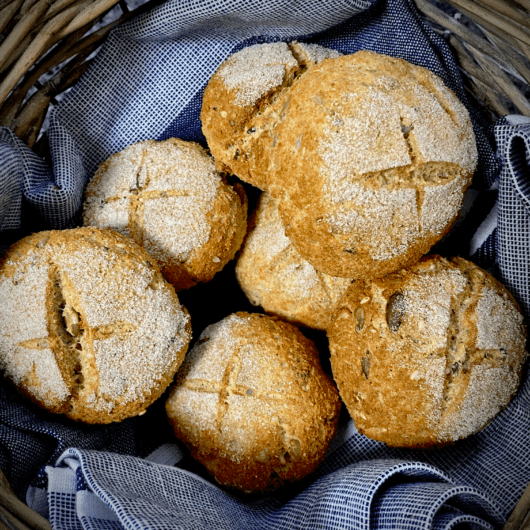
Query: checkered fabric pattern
x=147, y=82
x=513, y=237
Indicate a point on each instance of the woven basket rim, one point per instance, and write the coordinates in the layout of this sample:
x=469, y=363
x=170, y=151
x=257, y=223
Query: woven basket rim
x=490, y=39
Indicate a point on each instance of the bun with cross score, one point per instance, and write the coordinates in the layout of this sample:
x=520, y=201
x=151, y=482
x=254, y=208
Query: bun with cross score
x=170, y=199
x=88, y=326
x=253, y=404
x=427, y=355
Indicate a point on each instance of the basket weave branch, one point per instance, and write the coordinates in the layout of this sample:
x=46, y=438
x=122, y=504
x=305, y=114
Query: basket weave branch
x=43, y=37
x=491, y=41
x=46, y=45
x=14, y=514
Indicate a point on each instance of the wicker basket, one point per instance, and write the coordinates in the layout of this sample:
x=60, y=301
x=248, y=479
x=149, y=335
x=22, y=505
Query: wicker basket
x=46, y=45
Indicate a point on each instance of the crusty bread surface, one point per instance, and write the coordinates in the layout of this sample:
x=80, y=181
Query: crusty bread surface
x=274, y=276
x=252, y=403
x=244, y=99
x=369, y=164
x=169, y=198
x=427, y=355
x=89, y=328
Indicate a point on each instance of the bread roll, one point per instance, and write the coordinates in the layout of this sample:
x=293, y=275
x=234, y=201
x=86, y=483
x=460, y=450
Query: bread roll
x=370, y=164
x=245, y=97
x=253, y=404
x=89, y=328
x=274, y=276
x=427, y=355
x=169, y=198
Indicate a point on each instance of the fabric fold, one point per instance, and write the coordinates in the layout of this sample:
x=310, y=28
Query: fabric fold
x=11, y=182
x=512, y=135
x=125, y=492
x=53, y=193
x=416, y=505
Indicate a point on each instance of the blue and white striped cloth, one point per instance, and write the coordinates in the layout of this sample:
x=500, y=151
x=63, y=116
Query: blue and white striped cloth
x=147, y=82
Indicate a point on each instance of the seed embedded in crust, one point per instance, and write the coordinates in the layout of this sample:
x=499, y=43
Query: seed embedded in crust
x=359, y=319
x=365, y=366
x=395, y=311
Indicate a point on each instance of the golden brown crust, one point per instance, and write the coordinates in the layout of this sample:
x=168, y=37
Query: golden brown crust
x=244, y=99
x=427, y=355
x=253, y=404
x=89, y=327
x=370, y=164
x=168, y=197
x=274, y=275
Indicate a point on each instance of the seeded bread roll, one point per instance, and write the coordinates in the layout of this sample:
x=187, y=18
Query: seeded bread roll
x=427, y=355
x=273, y=274
x=89, y=328
x=245, y=97
x=169, y=198
x=369, y=164
x=253, y=404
